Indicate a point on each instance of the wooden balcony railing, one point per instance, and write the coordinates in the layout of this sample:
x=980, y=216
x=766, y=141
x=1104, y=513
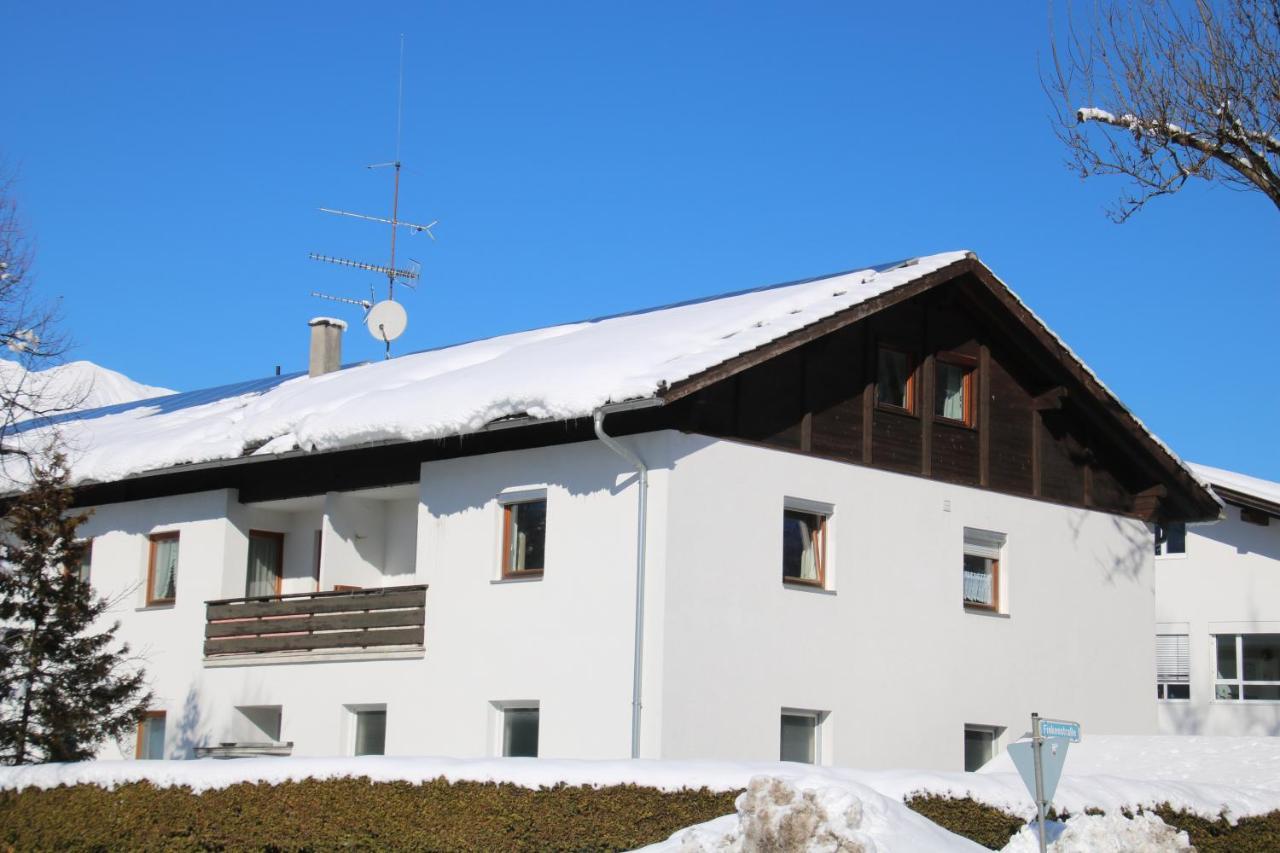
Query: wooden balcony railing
x=316, y=621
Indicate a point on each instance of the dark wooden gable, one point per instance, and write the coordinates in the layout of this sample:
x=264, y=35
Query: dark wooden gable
x=1037, y=429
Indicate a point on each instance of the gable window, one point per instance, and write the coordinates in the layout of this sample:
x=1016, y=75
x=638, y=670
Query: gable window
x=953, y=389
x=895, y=379
x=804, y=534
x=524, y=537
x=265, y=571
x=151, y=736
x=982, y=551
x=1173, y=667
x=1171, y=539
x=162, y=569
x=798, y=739
x=1248, y=667
x=371, y=730
x=520, y=732
x=979, y=746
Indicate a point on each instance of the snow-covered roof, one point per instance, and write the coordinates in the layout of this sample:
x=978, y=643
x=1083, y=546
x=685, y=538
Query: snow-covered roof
x=1254, y=487
x=555, y=373
x=76, y=385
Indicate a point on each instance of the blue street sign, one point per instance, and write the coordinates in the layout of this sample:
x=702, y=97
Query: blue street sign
x=1053, y=754
x=1060, y=728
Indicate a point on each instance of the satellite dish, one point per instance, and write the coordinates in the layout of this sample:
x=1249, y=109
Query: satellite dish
x=387, y=320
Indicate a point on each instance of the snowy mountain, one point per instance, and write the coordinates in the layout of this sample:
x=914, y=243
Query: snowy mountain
x=77, y=385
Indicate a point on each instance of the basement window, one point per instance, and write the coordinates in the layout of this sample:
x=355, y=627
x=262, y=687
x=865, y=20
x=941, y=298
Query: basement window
x=979, y=745
x=895, y=380
x=370, y=730
x=799, y=736
x=524, y=537
x=520, y=732
x=151, y=736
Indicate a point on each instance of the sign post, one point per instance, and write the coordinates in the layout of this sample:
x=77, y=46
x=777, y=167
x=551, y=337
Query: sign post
x=1040, y=762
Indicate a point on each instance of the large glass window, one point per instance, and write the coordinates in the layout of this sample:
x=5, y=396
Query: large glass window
x=266, y=564
x=803, y=546
x=524, y=537
x=894, y=381
x=1248, y=667
x=162, y=573
x=151, y=736
x=982, y=551
x=799, y=737
x=1171, y=539
x=371, y=732
x=953, y=391
x=1173, y=667
x=520, y=732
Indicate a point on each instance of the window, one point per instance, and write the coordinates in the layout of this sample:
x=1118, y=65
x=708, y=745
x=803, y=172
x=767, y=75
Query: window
x=979, y=746
x=953, y=389
x=895, y=380
x=266, y=564
x=798, y=740
x=804, y=535
x=520, y=732
x=524, y=536
x=982, y=569
x=85, y=567
x=317, y=551
x=1249, y=515
x=162, y=570
x=371, y=731
x=1248, y=667
x=1173, y=667
x=1171, y=539
x=151, y=736
x=257, y=724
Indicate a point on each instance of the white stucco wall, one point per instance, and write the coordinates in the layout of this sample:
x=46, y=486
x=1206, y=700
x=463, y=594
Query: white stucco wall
x=1227, y=582
x=889, y=652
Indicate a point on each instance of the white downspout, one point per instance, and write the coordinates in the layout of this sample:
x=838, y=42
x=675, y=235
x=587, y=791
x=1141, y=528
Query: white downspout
x=642, y=512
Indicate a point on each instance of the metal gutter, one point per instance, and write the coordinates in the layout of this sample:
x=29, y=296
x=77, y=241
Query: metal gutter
x=642, y=518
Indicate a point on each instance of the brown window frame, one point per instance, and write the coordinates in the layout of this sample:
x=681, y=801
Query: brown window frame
x=279, y=537
x=153, y=539
x=994, y=606
x=970, y=367
x=315, y=568
x=505, y=556
x=909, y=393
x=820, y=549
x=146, y=715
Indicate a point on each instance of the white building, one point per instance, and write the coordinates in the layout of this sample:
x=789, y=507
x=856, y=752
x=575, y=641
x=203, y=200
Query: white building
x=871, y=519
x=1218, y=614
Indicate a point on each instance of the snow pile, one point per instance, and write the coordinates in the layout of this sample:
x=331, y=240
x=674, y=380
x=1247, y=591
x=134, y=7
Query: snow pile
x=777, y=814
x=77, y=385
x=1144, y=833
x=556, y=372
x=1243, y=483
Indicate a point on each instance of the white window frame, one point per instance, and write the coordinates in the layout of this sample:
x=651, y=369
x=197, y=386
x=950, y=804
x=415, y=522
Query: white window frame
x=991, y=545
x=498, y=722
x=820, y=734
x=351, y=723
x=826, y=542
x=1162, y=684
x=1239, y=681
x=996, y=733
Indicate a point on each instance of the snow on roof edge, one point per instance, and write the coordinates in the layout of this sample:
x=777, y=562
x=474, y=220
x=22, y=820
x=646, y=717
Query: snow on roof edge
x=1245, y=484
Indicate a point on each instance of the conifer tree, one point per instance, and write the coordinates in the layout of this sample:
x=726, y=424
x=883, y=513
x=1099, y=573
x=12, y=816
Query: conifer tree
x=66, y=684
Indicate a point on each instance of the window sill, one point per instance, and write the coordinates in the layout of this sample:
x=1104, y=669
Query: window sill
x=1243, y=701
x=952, y=422
x=1181, y=556
x=157, y=605
x=985, y=611
x=896, y=410
x=524, y=577
x=1173, y=701
x=806, y=586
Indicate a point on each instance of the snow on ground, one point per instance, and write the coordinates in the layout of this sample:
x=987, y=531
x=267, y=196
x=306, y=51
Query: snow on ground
x=773, y=814
x=79, y=385
x=1200, y=775
x=1143, y=833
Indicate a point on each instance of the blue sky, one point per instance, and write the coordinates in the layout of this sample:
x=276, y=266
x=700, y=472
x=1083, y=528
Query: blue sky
x=587, y=158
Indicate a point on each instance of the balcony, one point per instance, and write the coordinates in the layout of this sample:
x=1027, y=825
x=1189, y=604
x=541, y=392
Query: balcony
x=387, y=622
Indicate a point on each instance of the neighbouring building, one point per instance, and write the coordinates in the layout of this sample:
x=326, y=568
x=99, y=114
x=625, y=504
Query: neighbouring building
x=875, y=519
x=1218, y=614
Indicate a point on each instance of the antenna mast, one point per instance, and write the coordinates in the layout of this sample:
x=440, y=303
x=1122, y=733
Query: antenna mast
x=385, y=323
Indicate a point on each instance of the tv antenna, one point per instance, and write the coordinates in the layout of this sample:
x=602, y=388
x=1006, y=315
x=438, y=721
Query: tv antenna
x=385, y=319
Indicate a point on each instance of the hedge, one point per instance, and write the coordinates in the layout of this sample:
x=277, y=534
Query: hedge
x=992, y=827
x=350, y=814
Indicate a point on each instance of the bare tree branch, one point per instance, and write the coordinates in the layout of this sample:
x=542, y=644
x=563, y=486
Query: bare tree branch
x=1162, y=92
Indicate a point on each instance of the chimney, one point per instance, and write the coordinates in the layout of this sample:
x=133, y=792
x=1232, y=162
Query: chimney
x=326, y=345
